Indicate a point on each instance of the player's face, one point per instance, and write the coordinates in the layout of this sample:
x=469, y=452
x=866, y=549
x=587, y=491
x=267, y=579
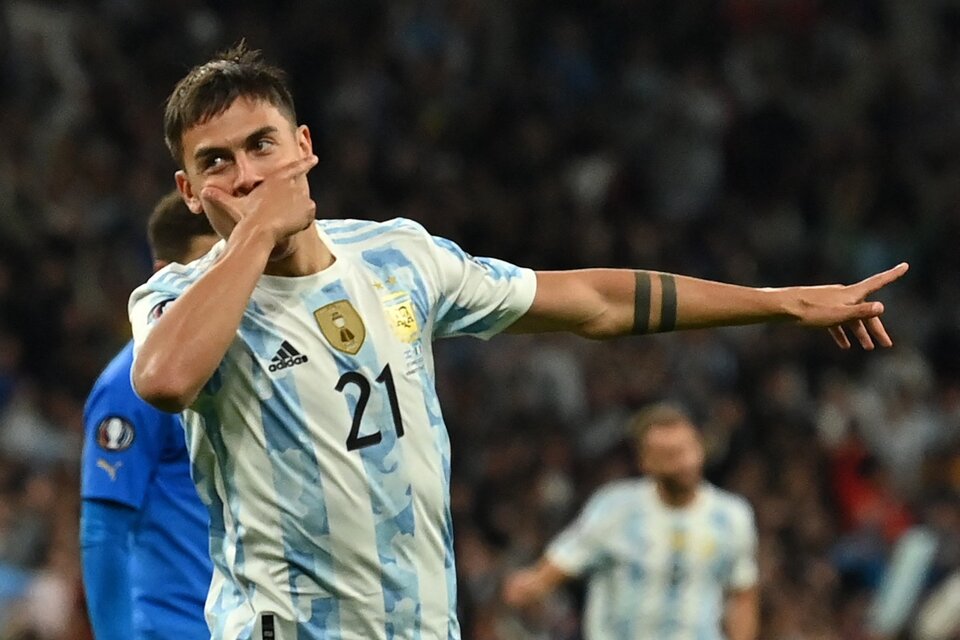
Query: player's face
x=235, y=151
x=673, y=455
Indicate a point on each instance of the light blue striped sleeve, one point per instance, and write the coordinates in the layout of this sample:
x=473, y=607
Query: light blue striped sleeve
x=478, y=296
x=583, y=544
x=744, y=573
x=148, y=301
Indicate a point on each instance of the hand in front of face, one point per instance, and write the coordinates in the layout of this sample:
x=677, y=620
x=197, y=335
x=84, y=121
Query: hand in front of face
x=280, y=204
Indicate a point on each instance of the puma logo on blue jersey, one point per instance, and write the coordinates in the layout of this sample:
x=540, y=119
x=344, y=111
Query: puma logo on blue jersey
x=110, y=469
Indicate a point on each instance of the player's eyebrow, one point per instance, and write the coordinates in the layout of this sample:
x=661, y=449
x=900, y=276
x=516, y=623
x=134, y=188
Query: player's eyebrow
x=202, y=154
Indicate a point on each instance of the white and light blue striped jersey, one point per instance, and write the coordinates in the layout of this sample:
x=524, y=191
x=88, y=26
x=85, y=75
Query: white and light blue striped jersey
x=655, y=572
x=319, y=444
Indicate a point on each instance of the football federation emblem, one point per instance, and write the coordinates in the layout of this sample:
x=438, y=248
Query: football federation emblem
x=115, y=434
x=402, y=318
x=341, y=326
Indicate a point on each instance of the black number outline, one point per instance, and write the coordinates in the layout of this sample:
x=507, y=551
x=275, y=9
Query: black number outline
x=354, y=439
x=386, y=377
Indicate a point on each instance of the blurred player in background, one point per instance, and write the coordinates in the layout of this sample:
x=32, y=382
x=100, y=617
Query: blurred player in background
x=301, y=351
x=143, y=533
x=666, y=556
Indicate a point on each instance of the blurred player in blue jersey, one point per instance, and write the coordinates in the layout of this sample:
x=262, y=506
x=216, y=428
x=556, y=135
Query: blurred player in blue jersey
x=666, y=556
x=301, y=354
x=143, y=535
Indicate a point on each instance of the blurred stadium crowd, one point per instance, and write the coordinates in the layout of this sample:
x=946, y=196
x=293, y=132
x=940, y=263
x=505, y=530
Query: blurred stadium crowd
x=754, y=141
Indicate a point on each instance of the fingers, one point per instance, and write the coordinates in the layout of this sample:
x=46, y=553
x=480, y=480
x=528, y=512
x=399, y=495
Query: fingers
x=878, y=331
x=869, y=333
x=861, y=334
x=839, y=337
x=297, y=168
x=211, y=195
x=863, y=317
x=878, y=281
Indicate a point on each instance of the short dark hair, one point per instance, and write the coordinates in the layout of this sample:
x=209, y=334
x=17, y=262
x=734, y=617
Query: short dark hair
x=210, y=88
x=172, y=226
x=656, y=415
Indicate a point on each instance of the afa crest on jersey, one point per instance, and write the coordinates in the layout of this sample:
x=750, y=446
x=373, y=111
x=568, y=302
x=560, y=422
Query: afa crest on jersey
x=401, y=316
x=342, y=326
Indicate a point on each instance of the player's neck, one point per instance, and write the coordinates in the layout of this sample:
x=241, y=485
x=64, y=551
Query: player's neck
x=307, y=255
x=676, y=498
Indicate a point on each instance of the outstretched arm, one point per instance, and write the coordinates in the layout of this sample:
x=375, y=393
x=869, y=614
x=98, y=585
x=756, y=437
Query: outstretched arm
x=529, y=586
x=605, y=303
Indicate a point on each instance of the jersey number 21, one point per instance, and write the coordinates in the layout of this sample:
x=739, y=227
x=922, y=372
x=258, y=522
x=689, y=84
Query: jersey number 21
x=355, y=440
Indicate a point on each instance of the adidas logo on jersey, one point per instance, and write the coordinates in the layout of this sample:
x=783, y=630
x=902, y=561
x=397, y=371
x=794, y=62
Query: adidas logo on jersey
x=286, y=356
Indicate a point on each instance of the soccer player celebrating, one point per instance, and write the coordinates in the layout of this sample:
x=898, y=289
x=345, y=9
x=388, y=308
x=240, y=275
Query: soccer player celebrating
x=667, y=556
x=143, y=533
x=328, y=477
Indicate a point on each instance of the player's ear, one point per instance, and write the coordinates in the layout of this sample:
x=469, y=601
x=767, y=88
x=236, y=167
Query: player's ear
x=191, y=198
x=304, y=141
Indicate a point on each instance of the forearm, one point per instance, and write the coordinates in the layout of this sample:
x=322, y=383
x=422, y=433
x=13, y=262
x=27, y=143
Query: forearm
x=191, y=337
x=533, y=585
x=664, y=302
x=104, y=546
x=606, y=303
x=549, y=577
x=743, y=616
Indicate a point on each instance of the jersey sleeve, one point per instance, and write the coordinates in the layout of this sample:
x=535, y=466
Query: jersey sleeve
x=744, y=573
x=123, y=440
x=479, y=297
x=582, y=545
x=148, y=301
x=105, y=551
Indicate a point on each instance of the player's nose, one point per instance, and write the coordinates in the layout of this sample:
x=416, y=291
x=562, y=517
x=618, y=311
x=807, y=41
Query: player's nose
x=247, y=175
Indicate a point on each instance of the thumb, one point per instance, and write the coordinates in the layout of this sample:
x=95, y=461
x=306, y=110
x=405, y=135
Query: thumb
x=865, y=310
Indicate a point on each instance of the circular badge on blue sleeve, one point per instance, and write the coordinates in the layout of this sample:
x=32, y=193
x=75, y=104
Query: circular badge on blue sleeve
x=115, y=434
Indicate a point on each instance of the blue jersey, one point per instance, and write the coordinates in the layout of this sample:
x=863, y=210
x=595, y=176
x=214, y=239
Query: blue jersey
x=319, y=443
x=136, y=456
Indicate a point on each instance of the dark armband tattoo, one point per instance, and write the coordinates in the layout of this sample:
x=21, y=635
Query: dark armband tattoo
x=651, y=295
x=668, y=302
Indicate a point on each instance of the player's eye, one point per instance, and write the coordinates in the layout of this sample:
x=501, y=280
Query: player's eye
x=263, y=145
x=214, y=163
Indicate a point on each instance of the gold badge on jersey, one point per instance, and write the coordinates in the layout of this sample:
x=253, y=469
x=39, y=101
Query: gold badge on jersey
x=708, y=548
x=341, y=326
x=678, y=540
x=401, y=316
